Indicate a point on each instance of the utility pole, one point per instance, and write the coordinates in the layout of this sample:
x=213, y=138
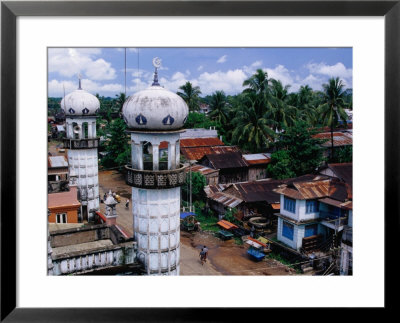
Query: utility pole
x=190, y=186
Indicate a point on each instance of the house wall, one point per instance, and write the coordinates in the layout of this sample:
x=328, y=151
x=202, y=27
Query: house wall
x=72, y=215
x=298, y=235
x=256, y=173
x=300, y=214
x=212, y=179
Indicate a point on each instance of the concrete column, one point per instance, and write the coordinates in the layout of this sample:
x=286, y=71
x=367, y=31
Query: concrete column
x=71, y=131
x=90, y=130
x=177, y=154
x=94, y=130
x=140, y=156
x=169, y=156
x=156, y=155
x=173, y=156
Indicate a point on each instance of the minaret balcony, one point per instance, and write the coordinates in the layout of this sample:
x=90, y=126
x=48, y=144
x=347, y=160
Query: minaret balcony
x=86, y=143
x=156, y=179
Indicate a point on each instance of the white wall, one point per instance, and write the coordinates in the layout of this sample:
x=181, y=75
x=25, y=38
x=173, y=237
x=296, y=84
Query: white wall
x=298, y=235
x=156, y=226
x=300, y=214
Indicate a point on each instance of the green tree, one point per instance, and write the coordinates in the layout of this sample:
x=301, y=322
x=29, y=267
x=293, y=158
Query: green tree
x=333, y=106
x=218, y=106
x=119, y=102
x=298, y=153
x=281, y=113
x=253, y=131
x=344, y=155
x=198, y=120
x=198, y=183
x=117, y=146
x=280, y=165
x=190, y=94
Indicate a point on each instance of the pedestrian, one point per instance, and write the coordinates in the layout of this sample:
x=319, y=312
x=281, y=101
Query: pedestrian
x=127, y=204
x=203, y=254
x=105, y=197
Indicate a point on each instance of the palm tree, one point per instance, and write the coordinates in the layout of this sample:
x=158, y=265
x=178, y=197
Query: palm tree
x=190, y=94
x=257, y=83
x=252, y=130
x=218, y=105
x=306, y=103
x=333, y=107
x=282, y=113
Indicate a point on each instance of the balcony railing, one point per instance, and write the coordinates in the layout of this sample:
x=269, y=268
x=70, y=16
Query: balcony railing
x=155, y=179
x=333, y=219
x=81, y=143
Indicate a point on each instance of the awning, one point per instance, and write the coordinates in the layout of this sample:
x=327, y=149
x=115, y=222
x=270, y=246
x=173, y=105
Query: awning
x=276, y=206
x=227, y=225
x=185, y=214
x=330, y=201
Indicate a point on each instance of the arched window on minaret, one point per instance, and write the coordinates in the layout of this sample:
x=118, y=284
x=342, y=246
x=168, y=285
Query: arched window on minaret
x=163, y=160
x=147, y=156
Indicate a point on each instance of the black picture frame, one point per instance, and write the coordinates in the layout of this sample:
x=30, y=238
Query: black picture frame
x=10, y=10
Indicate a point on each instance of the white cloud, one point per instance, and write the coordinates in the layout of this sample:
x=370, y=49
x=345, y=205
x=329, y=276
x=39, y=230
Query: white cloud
x=222, y=59
x=337, y=70
x=200, y=68
x=56, y=88
x=68, y=62
x=282, y=74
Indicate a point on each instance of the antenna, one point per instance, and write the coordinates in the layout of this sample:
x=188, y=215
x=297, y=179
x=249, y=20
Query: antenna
x=64, y=95
x=79, y=77
x=125, y=71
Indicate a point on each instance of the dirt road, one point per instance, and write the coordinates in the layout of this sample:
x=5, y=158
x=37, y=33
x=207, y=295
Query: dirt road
x=225, y=257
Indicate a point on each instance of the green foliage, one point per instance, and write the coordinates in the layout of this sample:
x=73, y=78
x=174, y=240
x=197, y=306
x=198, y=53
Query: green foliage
x=279, y=167
x=230, y=216
x=190, y=94
x=199, y=120
x=198, y=183
x=343, y=155
x=117, y=146
x=298, y=153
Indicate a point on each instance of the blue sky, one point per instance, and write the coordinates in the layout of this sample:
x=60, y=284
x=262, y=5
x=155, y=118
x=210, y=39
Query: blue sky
x=211, y=69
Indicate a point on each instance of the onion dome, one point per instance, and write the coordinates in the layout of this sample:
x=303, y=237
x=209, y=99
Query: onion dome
x=80, y=103
x=155, y=108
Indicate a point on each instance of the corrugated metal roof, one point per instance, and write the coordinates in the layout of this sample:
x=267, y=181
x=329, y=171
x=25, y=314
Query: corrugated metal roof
x=202, y=169
x=201, y=142
x=255, y=159
x=316, y=189
x=57, y=161
x=344, y=171
x=339, y=139
x=197, y=153
x=225, y=199
x=226, y=160
x=257, y=191
x=211, y=189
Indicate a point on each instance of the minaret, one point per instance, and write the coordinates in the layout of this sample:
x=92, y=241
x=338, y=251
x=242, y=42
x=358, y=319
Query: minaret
x=153, y=116
x=80, y=109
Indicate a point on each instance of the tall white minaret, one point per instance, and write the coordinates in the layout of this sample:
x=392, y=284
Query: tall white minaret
x=80, y=110
x=153, y=116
